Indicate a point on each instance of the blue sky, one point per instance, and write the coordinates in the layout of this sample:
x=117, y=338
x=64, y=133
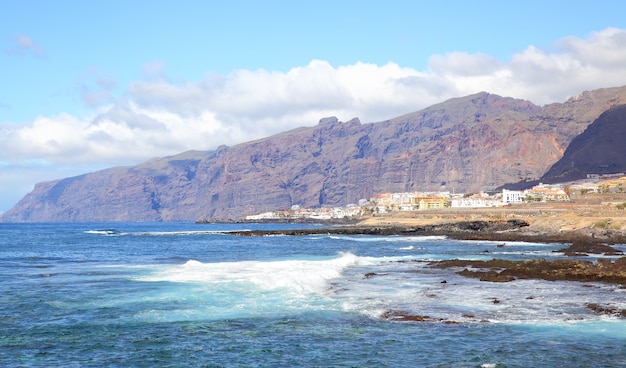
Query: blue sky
x=89, y=85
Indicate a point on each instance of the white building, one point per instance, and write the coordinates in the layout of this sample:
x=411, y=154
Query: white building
x=263, y=216
x=473, y=203
x=512, y=196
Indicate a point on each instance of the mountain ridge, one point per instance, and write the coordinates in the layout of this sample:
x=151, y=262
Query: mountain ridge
x=463, y=144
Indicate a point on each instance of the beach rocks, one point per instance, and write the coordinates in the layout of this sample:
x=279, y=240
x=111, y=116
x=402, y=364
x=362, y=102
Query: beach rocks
x=453, y=229
x=608, y=310
x=401, y=316
x=583, y=249
x=491, y=276
x=497, y=270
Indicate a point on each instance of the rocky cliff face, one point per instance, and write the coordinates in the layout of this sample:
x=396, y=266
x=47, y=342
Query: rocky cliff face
x=600, y=149
x=461, y=145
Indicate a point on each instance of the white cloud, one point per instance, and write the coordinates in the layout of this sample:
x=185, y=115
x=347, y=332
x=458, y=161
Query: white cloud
x=542, y=76
x=24, y=45
x=463, y=64
x=157, y=117
x=605, y=48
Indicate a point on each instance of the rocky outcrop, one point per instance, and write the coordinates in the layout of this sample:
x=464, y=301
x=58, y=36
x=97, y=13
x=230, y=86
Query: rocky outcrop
x=462, y=145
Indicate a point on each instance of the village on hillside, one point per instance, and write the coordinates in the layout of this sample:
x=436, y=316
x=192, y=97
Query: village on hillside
x=416, y=201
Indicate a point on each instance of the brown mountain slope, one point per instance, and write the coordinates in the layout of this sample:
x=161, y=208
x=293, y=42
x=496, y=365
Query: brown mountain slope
x=600, y=149
x=461, y=145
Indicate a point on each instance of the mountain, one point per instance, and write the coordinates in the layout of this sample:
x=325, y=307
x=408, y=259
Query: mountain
x=463, y=145
x=600, y=149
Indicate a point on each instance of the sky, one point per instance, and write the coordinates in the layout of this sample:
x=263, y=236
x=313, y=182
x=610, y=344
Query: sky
x=87, y=85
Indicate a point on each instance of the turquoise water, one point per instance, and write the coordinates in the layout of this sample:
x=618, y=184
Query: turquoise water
x=187, y=295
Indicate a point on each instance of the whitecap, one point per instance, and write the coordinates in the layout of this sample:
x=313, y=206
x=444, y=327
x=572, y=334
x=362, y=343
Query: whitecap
x=296, y=276
x=107, y=232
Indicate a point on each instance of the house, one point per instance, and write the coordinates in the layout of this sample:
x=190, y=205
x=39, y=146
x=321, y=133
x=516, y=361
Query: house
x=545, y=192
x=429, y=202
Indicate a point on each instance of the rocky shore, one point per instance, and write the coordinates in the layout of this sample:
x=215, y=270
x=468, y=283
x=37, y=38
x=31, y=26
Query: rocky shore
x=581, y=244
x=496, y=230
x=583, y=228
x=498, y=270
x=449, y=229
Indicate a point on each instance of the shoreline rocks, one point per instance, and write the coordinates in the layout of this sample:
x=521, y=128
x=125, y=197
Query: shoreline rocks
x=490, y=230
x=606, y=310
x=475, y=227
x=578, y=249
x=499, y=270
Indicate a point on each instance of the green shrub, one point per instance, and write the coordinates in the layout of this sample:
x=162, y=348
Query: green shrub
x=604, y=224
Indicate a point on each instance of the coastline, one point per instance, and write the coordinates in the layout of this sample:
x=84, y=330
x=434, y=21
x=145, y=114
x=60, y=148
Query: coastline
x=494, y=230
x=581, y=244
x=591, y=219
x=588, y=228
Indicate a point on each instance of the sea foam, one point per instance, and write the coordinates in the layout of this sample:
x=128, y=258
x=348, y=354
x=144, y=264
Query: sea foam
x=296, y=276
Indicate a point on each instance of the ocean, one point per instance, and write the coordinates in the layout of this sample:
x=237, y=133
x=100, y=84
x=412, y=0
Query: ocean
x=188, y=295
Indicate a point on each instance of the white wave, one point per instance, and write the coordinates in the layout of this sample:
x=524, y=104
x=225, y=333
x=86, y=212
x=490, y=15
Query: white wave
x=181, y=233
x=371, y=286
x=393, y=238
x=106, y=232
x=415, y=289
x=509, y=243
x=296, y=276
x=110, y=232
x=542, y=253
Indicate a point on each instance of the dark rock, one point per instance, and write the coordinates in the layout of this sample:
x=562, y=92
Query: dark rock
x=497, y=270
x=403, y=316
x=454, y=229
x=491, y=276
x=610, y=310
x=584, y=248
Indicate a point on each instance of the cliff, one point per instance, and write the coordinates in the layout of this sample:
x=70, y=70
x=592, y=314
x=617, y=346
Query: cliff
x=462, y=145
x=600, y=149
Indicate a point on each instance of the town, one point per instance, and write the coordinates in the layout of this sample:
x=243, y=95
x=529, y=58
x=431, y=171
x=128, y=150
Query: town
x=416, y=201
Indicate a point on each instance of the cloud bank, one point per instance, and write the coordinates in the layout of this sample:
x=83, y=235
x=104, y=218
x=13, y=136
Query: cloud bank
x=157, y=117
